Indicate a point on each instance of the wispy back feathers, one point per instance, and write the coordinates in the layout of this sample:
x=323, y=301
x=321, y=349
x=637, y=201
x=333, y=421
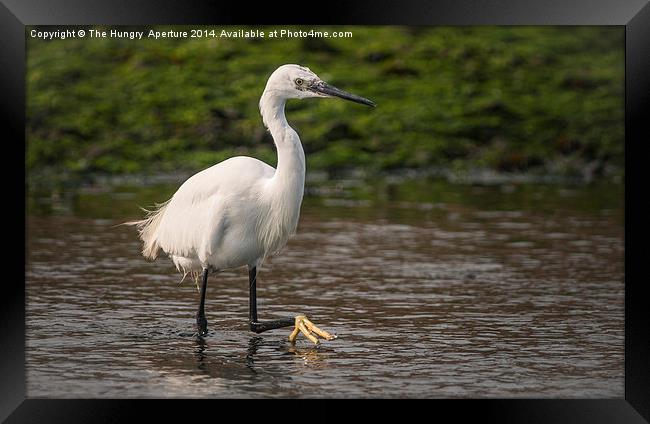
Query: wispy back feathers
x=147, y=230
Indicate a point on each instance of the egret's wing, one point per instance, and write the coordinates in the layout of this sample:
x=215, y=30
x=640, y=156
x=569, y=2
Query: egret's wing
x=184, y=225
x=195, y=218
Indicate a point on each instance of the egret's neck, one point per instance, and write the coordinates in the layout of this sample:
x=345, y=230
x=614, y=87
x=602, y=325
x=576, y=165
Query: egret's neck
x=291, y=157
x=283, y=193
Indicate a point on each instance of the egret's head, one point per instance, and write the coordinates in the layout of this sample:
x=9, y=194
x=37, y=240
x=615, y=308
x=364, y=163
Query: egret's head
x=298, y=82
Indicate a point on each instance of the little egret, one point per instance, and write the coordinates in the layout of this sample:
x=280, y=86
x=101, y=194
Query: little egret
x=242, y=210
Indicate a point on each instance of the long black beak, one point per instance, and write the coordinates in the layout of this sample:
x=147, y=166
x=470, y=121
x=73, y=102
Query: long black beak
x=329, y=90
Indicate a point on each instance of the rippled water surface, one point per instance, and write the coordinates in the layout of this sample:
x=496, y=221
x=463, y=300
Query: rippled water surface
x=452, y=291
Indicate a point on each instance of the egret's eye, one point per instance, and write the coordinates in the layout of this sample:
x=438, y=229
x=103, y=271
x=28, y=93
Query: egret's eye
x=299, y=81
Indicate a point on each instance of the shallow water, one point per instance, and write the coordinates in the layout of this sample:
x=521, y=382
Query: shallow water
x=434, y=291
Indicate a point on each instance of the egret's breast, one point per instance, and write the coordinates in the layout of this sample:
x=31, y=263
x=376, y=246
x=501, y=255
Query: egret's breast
x=279, y=216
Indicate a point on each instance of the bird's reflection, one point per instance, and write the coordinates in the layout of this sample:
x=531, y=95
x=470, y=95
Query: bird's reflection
x=254, y=362
x=200, y=354
x=253, y=345
x=311, y=356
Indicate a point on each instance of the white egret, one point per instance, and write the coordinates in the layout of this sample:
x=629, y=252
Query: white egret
x=242, y=210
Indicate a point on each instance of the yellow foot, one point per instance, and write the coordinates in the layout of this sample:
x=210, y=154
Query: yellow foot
x=309, y=329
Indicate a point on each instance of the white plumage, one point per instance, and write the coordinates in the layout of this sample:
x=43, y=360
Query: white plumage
x=241, y=210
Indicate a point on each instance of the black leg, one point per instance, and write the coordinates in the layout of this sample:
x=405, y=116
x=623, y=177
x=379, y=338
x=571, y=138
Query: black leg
x=201, y=322
x=256, y=326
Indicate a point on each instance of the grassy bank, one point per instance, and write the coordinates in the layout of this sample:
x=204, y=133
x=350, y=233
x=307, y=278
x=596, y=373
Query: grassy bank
x=545, y=100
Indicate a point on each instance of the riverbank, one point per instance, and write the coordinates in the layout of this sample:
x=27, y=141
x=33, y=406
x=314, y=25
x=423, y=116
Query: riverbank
x=538, y=100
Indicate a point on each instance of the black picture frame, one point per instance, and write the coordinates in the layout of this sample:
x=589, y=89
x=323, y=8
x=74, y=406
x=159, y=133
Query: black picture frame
x=634, y=15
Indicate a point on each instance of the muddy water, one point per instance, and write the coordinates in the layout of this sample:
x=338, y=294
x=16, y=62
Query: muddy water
x=441, y=292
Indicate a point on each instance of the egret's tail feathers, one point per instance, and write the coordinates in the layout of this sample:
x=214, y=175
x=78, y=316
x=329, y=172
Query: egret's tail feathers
x=147, y=229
